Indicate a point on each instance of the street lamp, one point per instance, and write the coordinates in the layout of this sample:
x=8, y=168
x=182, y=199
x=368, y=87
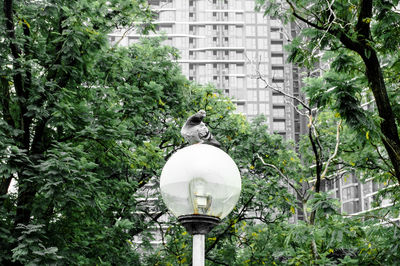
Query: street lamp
x=200, y=184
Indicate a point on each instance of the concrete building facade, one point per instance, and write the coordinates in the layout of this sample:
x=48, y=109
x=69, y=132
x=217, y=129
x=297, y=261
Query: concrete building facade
x=228, y=44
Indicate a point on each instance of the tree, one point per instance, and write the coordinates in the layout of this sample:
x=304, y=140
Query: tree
x=259, y=230
x=83, y=127
x=361, y=37
x=325, y=157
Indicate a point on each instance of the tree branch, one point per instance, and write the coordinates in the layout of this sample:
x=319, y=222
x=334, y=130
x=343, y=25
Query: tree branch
x=335, y=151
x=239, y=216
x=281, y=174
x=294, y=12
x=282, y=92
x=364, y=19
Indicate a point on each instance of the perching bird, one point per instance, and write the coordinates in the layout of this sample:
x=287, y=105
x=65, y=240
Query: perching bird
x=195, y=131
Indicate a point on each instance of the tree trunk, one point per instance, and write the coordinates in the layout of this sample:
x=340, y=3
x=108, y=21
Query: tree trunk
x=388, y=125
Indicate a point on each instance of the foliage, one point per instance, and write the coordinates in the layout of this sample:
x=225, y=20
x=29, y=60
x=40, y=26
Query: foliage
x=86, y=127
x=356, y=44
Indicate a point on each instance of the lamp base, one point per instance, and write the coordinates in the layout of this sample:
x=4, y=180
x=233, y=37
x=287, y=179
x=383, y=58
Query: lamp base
x=198, y=224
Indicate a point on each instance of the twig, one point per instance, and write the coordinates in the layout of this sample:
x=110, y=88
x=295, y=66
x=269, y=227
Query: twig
x=281, y=174
x=282, y=92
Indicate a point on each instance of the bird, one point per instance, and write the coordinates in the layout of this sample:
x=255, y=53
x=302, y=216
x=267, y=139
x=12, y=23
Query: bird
x=195, y=131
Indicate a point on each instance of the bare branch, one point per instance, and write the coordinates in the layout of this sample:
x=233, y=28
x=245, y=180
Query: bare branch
x=384, y=219
x=292, y=185
x=383, y=159
x=123, y=36
x=259, y=76
x=335, y=151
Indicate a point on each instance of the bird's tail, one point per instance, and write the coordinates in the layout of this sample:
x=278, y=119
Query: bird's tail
x=209, y=139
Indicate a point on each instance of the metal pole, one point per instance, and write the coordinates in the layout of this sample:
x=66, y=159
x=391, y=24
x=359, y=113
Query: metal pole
x=198, y=250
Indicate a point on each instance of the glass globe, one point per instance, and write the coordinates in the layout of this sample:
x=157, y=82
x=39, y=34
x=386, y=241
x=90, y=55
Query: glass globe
x=200, y=179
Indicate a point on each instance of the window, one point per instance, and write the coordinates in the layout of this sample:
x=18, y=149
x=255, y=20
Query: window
x=251, y=95
x=251, y=30
x=251, y=55
x=132, y=40
x=240, y=108
x=240, y=82
x=275, y=23
x=276, y=47
x=250, y=17
x=168, y=42
x=277, y=59
x=252, y=109
x=167, y=15
x=367, y=203
x=262, y=43
x=263, y=55
x=263, y=68
x=330, y=184
x=350, y=207
x=264, y=108
x=279, y=125
x=278, y=85
x=251, y=82
x=278, y=112
x=251, y=43
x=264, y=95
x=277, y=72
x=276, y=35
x=261, y=18
x=350, y=193
x=240, y=69
x=166, y=29
x=262, y=30
x=250, y=5
x=367, y=188
x=349, y=179
x=278, y=99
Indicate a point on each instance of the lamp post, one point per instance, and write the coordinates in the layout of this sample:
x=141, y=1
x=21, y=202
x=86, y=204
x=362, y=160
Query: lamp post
x=200, y=184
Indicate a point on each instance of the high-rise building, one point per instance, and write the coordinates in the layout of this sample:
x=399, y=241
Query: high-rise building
x=241, y=51
x=227, y=43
